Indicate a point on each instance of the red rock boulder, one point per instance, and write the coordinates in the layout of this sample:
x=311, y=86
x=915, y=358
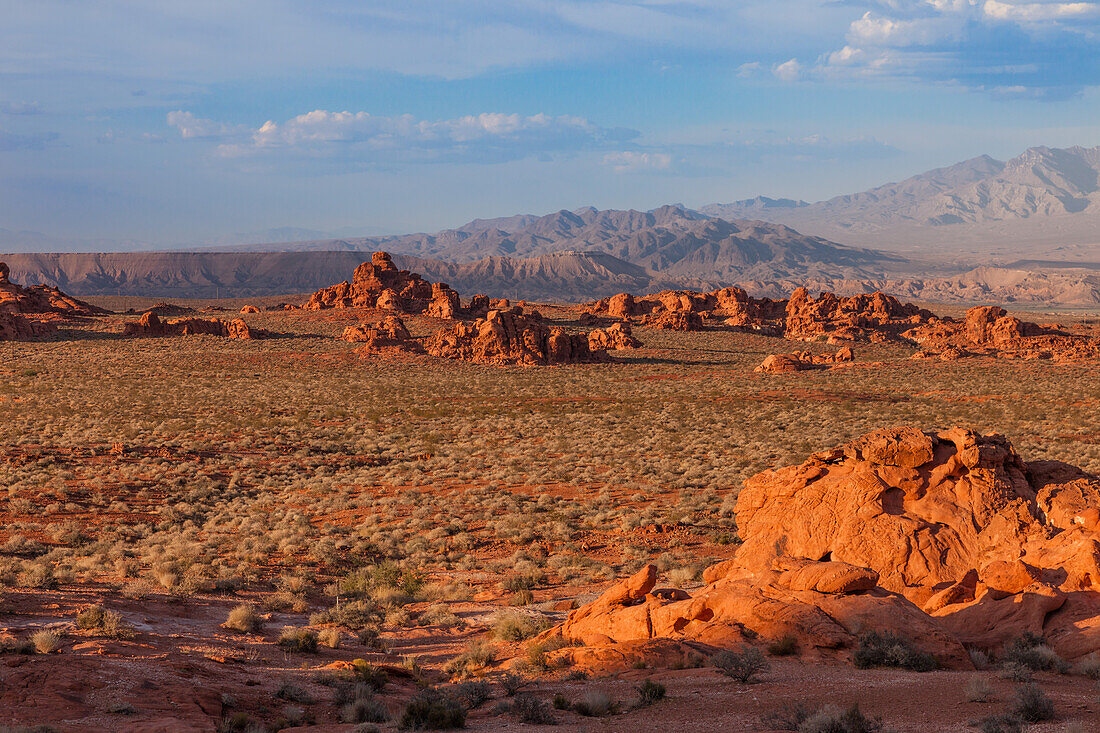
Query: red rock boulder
x=512, y=336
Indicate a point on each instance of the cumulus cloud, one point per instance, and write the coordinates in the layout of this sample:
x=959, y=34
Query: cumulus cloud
x=1042, y=49
x=788, y=70
x=630, y=161
x=365, y=138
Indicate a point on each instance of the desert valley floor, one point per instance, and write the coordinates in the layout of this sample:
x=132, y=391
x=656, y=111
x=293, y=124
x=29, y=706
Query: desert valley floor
x=201, y=533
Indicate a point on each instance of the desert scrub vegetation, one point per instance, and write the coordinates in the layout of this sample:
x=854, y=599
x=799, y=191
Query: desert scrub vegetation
x=744, y=666
x=887, y=650
x=244, y=618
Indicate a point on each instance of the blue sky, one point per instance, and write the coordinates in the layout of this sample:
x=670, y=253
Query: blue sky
x=170, y=122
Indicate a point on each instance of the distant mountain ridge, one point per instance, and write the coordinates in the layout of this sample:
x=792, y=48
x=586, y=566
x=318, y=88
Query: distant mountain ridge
x=978, y=204
x=671, y=240
x=570, y=276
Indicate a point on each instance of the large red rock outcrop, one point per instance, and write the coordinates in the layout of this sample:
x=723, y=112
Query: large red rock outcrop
x=875, y=317
x=513, y=336
x=390, y=333
x=379, y=284
x=944, y=538
x=29, y=312
x=801, y=361
x=151, y=325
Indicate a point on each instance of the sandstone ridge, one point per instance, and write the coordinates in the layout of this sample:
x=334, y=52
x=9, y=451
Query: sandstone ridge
x=948, y=539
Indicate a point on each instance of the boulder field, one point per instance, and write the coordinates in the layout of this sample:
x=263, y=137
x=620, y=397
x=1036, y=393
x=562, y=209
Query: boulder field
x=947, y=539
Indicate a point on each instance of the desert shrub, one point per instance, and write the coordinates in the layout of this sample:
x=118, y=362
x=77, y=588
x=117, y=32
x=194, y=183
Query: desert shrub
x=522, y=581
x=742, y=666
x=1032, y=705
x=522, y=598
x=649, y=692
x=1001, y=723
x=109, y=623
x=438, y=614
x=294, y=693
x=368, y=709
x=887, y=650
x=561, y=702
x=517, y=625
x=46, y=641
x=595, y=704
x=1031, y=652
x=329, y=638
x=11, y=645
x=831, y=719
x=784, y=646
x=476, y=656
x=529, y=709
x=1016, y=672
x=788, y=717
x=376, y=677
x=979, y=658
x=430, y=709
x=353, y=615
x=244, y=618
x=978, y=689
x=472, y=694
x=1090, y=667
x=512, y=683
x=298, y=640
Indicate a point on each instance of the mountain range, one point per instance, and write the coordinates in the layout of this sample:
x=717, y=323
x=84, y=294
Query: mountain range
x=1035, y=219
x=1045, y=203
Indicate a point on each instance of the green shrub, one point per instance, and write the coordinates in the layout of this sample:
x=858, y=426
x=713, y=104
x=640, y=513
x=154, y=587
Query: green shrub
x=476, y=656
x=364, y=671
x=517, y=625
x=430, y=709
x=887, y=650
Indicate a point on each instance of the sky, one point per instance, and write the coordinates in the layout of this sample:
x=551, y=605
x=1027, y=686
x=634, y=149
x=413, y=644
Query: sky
x=157, y=122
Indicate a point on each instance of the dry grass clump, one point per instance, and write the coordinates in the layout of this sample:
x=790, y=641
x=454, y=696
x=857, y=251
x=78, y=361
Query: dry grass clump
x=244, y=618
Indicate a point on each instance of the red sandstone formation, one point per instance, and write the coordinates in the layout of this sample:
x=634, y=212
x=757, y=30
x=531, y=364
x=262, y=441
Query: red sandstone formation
x=29, y=312
x=674, y=321
x=513, y=337
x=946, y=539
x=615, y=336
x=801, y=361
x=250, y=309
x=876, y=318
x=150, y=325
x=390, y=333
x=379, y=284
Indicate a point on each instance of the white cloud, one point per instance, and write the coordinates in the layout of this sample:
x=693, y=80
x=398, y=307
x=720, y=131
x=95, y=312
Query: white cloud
x=1036, y=12
x=192, y=127
x=788, y=70
x=629, y=161
x=19, y=108
x=365, y=138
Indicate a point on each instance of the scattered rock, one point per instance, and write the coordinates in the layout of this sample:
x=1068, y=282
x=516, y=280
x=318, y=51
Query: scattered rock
x=801, y=361
x=150, y=325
